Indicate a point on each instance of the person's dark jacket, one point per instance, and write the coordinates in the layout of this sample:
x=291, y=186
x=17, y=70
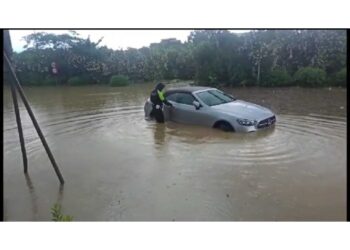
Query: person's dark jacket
x=157, y=96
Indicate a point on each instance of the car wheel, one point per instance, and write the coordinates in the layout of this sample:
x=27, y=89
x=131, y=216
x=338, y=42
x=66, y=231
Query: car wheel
x=224, y=126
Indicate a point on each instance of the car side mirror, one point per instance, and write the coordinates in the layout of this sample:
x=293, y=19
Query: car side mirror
x=197, y=105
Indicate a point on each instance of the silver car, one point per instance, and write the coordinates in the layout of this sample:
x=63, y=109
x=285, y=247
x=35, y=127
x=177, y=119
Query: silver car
x=213, y=108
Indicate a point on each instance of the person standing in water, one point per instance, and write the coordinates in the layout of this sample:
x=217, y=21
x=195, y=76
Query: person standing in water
x=157, y=98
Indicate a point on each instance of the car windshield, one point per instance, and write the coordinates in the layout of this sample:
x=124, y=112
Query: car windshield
x=214, y=97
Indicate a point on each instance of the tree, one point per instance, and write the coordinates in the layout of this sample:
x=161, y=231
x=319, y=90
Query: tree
x=208, y=57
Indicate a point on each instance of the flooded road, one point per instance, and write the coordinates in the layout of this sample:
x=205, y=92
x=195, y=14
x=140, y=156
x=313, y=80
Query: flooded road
x=120, y=167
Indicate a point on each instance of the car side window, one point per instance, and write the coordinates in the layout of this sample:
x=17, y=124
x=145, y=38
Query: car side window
x=172, y=97
x=184, y=98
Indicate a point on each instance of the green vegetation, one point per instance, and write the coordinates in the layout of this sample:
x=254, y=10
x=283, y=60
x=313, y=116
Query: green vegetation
x=31, y=78
x=340, y=77
x=278, y=77
x=57, y=214
x=211, y=57
x=119, y=80
x=49, y=80
x=309, y=76
x=77, y=80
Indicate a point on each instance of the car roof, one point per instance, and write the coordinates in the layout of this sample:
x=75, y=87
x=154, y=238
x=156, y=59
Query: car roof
x=187, y=89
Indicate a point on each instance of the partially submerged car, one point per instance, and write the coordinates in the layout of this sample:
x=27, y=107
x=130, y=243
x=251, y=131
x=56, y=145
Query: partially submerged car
x=213, y=108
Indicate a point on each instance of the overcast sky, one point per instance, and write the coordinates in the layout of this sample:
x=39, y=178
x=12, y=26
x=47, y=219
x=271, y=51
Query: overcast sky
x=114, y=39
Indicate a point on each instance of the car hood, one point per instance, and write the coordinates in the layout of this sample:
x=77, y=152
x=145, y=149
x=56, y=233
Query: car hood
x=244, y=110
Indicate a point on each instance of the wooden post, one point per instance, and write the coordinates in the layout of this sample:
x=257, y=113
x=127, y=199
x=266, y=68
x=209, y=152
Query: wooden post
x=19, y=126
x=32, y=117
x=8, y=49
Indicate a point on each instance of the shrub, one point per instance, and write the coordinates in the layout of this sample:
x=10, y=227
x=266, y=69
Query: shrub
x=310, y=77
x=238, y=78
x=213, y=80
x=31, y=78
x=77, y=81
x=119, y=80
x=57, y=214
x=277, y=77
x=340, y=77
x=49, y=80
x=247, y=82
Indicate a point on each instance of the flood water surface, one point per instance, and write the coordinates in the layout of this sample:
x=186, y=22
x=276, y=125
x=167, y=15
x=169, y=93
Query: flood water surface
x=119, y=166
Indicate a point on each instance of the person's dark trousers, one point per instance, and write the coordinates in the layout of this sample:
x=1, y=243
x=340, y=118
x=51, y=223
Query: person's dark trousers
x=158, y=115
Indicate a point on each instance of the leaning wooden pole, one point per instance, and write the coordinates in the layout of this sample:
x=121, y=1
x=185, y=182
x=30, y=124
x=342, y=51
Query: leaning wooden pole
x=32, y=117
x=8, y=48
x=19, y=126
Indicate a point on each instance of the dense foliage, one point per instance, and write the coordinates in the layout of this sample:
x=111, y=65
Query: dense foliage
x=340, y=77
x=309, y=76
x=211, y=57
x=277, y=77
x=78, y=80
x=119, y=80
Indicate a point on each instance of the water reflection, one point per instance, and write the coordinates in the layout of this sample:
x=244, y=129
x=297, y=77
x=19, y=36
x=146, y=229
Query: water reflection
x=60, y=194
x=33, y=196
x=200, y=134
x=159, y=134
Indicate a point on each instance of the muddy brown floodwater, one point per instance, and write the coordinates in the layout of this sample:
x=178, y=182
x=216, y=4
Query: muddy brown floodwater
x=118, y=166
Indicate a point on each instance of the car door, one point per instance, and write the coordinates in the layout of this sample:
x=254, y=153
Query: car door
x=168, y=111
x=184, y=111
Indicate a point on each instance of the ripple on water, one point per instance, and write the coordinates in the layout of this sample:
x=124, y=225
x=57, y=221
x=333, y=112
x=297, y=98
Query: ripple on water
x=219, y=175
x=294, y=139
x=92, y=120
